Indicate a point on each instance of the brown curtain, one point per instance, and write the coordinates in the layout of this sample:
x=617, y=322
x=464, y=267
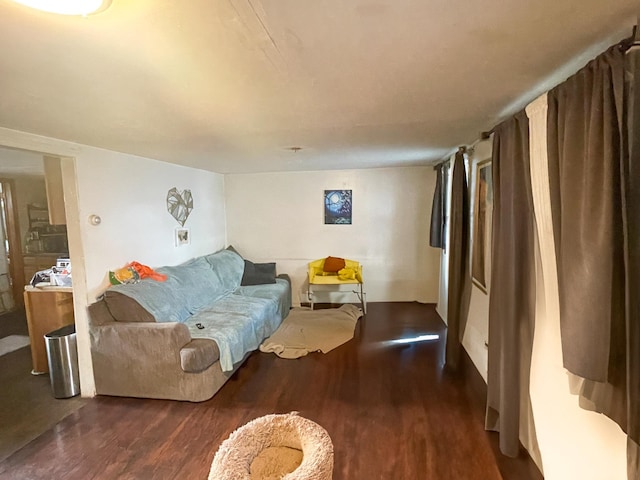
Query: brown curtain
x=512, y=293
x=631, y=208
x=459, y=281
x=437, y=237
x=593, y=163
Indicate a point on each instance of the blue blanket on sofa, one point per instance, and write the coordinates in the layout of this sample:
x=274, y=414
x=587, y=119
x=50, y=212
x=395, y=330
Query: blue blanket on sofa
x=239, y=323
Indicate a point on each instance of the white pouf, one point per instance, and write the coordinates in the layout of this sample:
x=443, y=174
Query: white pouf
x=236, y=454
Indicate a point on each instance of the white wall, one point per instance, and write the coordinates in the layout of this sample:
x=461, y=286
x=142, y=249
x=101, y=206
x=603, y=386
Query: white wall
x=279, y=217
x=129, y=194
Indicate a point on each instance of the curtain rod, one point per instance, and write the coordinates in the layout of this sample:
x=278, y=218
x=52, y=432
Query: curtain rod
x=626, y=44
x=461, y=148
x=634, y=39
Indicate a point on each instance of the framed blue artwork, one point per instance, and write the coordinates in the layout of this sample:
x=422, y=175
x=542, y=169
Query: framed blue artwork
x=337, y=207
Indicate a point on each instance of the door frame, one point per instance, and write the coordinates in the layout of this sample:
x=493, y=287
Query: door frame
x=16, y=263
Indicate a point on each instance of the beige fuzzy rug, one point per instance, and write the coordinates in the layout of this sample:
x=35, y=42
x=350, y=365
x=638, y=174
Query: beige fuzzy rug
x=306, y=330
x=275, y=447
x=273, y=463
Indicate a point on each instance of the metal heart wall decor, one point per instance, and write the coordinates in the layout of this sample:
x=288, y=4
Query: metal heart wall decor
x=179, y=204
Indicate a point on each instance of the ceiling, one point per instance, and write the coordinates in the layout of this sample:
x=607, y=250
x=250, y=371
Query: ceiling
x=231, y=85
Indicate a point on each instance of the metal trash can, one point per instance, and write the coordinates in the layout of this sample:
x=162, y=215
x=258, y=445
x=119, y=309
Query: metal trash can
x=62, y=354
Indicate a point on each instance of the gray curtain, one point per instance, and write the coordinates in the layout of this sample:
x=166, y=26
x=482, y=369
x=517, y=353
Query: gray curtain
x=584, y=146
x=437, y=236
x=459, y=280
x=593, y=172
x=512, y=293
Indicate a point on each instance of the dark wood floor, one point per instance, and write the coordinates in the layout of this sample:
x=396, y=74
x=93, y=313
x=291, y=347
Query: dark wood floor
x=13, y=323
x=27, y=407
x=392, y=411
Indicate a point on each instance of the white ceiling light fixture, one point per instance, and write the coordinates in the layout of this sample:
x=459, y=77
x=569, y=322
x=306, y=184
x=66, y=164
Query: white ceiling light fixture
x=67, y=7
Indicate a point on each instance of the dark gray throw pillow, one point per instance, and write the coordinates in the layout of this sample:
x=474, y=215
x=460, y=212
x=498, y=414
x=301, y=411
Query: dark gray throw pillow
x=258, y=273
x=231, y=249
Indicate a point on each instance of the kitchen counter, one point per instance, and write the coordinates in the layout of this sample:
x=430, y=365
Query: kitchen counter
x=47, y=287
x=48, y=308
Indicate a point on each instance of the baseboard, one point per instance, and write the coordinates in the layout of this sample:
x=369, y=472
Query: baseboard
x=324, y=305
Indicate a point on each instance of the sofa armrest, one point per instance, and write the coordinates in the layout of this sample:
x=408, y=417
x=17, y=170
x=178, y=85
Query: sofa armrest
x=136, y=349
x=137, y=359
x=286, y=277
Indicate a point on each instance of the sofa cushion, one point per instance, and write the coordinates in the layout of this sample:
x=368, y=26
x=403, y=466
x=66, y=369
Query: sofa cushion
x=198, y=355
x=258, y=273
x=99, y=314
x=126, y=309
x=238, y=324
x=279, y=292
x=197, y=283
x=228, y=267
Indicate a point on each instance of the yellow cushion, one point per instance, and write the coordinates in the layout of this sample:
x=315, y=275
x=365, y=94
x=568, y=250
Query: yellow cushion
x=347, y=274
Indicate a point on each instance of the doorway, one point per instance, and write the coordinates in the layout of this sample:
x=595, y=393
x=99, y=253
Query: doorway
x=28, y=243
x=11, y=262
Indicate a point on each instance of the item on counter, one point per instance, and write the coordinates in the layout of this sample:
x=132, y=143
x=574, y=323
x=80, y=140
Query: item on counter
x=63, y=263
x=59, y=277
x=43, y=276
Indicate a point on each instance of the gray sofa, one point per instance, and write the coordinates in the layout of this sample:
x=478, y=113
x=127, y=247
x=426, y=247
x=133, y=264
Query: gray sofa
x=183, y=338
